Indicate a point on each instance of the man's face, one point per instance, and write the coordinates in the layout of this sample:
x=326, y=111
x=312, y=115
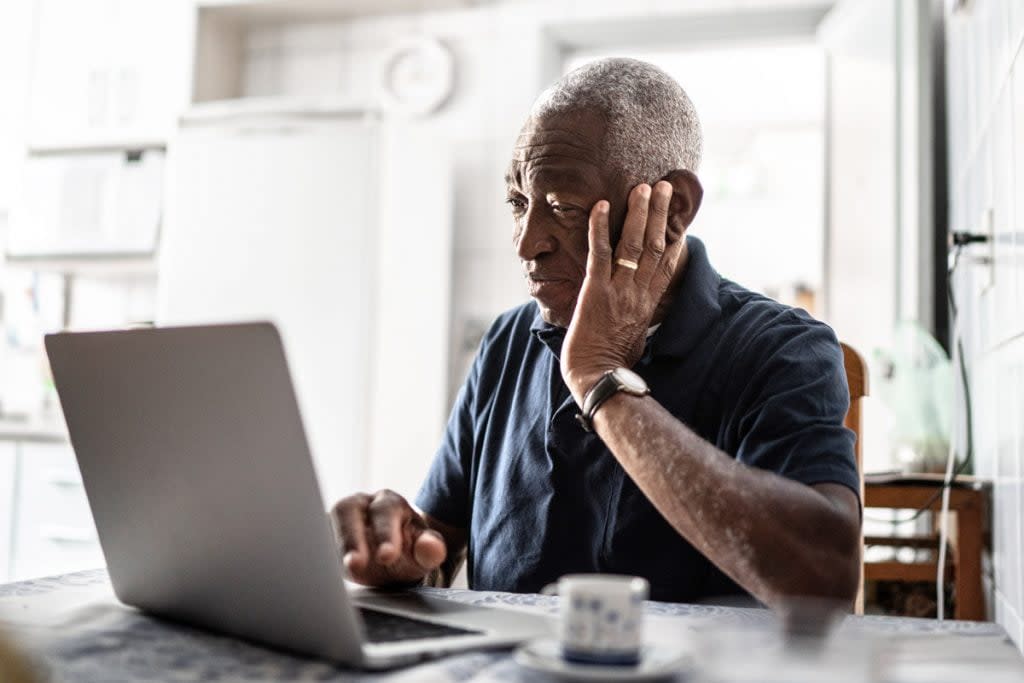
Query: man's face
x=556, y=176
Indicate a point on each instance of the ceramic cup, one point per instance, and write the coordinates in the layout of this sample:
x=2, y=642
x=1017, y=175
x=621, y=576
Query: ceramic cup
x=602, y=618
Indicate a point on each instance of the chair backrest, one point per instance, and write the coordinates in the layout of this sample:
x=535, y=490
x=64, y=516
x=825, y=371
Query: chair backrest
x=857, y=382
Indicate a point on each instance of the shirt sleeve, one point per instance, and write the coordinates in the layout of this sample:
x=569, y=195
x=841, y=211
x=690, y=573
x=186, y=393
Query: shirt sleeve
x=445, y=493
x=792, y=407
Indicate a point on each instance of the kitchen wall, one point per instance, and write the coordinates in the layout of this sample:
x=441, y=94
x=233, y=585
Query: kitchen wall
x=985, y=81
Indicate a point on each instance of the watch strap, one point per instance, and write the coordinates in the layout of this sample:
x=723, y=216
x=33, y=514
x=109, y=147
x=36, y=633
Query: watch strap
x=604, y=389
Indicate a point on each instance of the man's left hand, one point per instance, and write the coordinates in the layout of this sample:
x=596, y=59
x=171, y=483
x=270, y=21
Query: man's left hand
x=617, y=302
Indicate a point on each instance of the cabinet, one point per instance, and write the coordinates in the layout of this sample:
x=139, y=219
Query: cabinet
x=53, y=531
x=105, y=82
x=46, y=526
x=8, y=457
x=15, y=47
x=107, y=204
x=108, y=70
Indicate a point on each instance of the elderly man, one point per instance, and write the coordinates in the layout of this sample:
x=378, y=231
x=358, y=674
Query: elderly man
x=642, y=415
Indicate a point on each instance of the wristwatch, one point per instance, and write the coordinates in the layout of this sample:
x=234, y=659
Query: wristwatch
x=611, y=383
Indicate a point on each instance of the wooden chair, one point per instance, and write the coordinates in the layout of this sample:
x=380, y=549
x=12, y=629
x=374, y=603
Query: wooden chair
x=857, y=382
x=968, y=500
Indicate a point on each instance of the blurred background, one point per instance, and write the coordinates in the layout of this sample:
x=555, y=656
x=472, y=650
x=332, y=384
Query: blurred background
x=336, y=166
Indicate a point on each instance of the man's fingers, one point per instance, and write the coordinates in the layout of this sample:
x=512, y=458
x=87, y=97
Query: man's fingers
x=600, y=254
x=384, y=541
x=654, y=232
x=666, y=269
x=631, y=243
x=350, y=522
x=388, y=514
x=429, y=549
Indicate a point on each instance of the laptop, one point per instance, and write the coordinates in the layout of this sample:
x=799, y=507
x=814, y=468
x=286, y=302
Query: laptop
x=202, y=486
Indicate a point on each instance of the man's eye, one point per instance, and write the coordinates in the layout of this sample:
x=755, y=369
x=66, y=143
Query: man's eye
x=565, y=210
x=517, y=203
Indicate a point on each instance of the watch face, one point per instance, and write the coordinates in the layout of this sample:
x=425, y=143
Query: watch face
x=632, y=383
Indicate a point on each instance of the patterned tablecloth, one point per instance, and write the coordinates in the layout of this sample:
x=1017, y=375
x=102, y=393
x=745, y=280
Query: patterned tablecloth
x=78, y=631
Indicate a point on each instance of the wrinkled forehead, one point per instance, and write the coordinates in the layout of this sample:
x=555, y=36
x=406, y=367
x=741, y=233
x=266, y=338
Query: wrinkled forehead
x=575, y=131
x=567, y=146
x=556, y=175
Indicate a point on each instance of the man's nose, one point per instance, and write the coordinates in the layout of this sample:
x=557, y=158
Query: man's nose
x=535, y=238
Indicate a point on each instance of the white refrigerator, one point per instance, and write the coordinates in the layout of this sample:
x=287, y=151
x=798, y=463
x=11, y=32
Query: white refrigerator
x=337, y=227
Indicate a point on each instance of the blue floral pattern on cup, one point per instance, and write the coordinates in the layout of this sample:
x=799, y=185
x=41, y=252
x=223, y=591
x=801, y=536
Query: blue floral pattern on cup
x=602, y=618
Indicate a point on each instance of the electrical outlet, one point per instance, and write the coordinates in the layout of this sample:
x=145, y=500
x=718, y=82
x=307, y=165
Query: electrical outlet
x=986, y=226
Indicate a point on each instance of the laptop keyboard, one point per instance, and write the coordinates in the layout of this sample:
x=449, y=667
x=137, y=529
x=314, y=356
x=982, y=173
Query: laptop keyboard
x=383, y=627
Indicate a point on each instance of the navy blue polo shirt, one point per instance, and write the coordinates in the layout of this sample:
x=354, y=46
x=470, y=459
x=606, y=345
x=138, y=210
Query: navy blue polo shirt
x=541, y=498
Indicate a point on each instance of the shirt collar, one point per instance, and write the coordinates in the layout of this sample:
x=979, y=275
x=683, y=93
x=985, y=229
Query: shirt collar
x=548, y=335
x=695, y=307
x=691, y=313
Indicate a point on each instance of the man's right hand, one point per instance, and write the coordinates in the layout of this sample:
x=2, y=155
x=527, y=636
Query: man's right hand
x=384, y=541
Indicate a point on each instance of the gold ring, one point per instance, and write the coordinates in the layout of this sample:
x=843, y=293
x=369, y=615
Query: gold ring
x=632, y=265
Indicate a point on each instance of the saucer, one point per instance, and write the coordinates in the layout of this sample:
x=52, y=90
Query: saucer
x=656, y=662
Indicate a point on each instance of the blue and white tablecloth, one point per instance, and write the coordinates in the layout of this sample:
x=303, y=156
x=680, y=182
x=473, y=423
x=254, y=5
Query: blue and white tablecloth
x=77, y=631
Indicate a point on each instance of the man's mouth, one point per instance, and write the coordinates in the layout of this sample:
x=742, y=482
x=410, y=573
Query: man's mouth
x=541, y=285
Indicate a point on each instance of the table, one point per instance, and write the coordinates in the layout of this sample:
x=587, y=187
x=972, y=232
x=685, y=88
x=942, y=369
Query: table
x=78, y=630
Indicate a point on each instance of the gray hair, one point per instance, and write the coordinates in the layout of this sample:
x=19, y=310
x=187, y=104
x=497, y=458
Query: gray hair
x=652, y=126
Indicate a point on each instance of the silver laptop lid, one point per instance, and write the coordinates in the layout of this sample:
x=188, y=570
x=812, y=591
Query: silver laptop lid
x=201, y=484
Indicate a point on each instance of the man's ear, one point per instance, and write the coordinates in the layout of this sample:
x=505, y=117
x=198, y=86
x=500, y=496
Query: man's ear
x=686, y=197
